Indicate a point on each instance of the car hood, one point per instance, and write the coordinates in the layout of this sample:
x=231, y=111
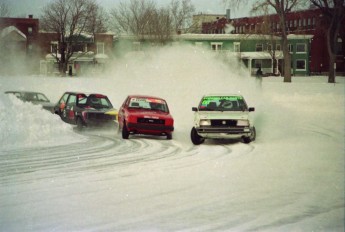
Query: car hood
x=150, y=114
x=236, y=115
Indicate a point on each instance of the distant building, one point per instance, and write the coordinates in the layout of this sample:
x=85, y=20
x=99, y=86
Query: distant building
x=201, y=18
x=18, y=45
x=307, y=22
x=24, y=49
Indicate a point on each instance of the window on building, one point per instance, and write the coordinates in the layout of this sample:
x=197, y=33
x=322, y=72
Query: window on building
x=259, y=48
x=237, y=46
x=29, y=30
x=300, y=65
x=79, y=47
x=291, y=23
x=269, y=47
x=258, y=63
x=216, y=46
x=295, y=23
x=339, y=46
x=54, y=47
x=290, y=47
x=301, y=48
x=304, y=22
x=309, y=21
x=100, y=48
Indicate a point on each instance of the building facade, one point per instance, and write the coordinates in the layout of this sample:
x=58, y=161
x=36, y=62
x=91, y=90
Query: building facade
x=27, y=50
x=306, y=22
x=19, y=45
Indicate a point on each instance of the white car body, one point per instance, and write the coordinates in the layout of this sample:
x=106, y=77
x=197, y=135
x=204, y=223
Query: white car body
x=229, y=119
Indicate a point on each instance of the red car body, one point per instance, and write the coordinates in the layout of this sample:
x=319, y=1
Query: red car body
x=145, y=115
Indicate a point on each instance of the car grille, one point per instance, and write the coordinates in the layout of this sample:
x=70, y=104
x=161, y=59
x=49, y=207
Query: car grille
x=222, y=123
x=151, y=121
x=100, y=116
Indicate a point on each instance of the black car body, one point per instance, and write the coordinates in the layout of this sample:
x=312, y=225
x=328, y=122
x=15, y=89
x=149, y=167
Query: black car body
x=36, y=98
x=86, y=110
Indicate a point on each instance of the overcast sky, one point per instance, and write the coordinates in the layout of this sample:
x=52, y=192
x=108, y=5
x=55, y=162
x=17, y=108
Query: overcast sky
x=22, y=8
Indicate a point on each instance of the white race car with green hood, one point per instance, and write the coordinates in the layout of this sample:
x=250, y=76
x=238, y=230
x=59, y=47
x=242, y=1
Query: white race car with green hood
x=220, y=116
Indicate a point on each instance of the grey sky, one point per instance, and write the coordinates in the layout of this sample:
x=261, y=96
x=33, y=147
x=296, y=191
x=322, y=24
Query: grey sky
x=22, y=8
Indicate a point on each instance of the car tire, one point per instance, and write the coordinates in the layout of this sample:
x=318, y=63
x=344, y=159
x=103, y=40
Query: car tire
x=169, y=136
x=252, y=136
x=80, y=124
x=125, y=132
x=196, y=139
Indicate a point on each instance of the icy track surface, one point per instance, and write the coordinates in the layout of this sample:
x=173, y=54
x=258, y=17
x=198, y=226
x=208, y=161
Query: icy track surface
x=290, y=179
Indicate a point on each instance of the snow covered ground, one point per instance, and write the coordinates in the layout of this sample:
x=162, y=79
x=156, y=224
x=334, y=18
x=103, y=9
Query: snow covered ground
x=290, y=179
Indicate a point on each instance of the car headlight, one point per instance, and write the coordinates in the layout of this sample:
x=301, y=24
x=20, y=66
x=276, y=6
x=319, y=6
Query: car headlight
x=242, y=123
x=205, y=122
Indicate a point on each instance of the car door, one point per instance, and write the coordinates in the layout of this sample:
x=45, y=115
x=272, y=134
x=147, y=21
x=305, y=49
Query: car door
x=69, y=110
x=59, y=107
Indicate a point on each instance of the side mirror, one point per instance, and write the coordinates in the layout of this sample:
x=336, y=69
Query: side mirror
x=251, y=109
x=194, y=109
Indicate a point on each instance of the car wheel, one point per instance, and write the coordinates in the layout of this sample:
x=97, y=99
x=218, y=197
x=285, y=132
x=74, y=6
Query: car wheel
x=251, y=137
x=80, y=124
x=169, y=136
x=196, y=139
x=125, y=132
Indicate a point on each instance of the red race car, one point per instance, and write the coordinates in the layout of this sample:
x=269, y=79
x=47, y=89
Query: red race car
x=145, y=115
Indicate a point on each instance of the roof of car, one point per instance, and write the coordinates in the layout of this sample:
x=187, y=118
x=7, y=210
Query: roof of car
x=85, y=93
x=145, y=96
x=223, y=94
x=20, y=91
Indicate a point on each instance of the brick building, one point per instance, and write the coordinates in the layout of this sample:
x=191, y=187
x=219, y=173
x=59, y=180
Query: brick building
x=307, y=22
x=27, y=50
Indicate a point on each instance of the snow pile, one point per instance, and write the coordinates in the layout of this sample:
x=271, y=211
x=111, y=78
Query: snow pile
x=26, y=125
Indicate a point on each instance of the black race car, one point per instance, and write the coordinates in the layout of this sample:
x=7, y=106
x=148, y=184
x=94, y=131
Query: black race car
x=86, y=110
x=36, y=98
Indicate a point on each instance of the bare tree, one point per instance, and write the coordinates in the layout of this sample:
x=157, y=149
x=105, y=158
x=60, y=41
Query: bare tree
x=134, y=17
x=142, y=18
x=69, y=19
x=182, y=13
x=334, y=12
x=160, y=26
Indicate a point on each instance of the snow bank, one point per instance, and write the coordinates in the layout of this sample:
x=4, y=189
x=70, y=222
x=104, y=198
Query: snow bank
x=26, y=125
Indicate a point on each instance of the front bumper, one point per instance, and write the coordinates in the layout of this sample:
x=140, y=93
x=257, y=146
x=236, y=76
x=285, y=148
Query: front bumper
x=101, y=123
x=223, y=132
x=139, y=128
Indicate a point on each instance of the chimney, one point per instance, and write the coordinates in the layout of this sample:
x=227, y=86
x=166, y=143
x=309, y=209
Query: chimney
x=227, y=13
x=31, y=16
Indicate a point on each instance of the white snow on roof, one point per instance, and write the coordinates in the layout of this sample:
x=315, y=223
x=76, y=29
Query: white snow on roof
x=8, y=30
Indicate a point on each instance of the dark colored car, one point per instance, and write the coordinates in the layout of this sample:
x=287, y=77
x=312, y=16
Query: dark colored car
x=86, y=110
x=145, y=115
x=36, y=98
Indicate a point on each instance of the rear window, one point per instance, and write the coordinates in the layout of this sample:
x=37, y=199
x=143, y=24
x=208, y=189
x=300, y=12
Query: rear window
x=95, y=101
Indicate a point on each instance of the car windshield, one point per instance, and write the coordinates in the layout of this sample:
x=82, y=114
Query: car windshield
x=96, y=101
x=148, y=104
x=223, y=103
